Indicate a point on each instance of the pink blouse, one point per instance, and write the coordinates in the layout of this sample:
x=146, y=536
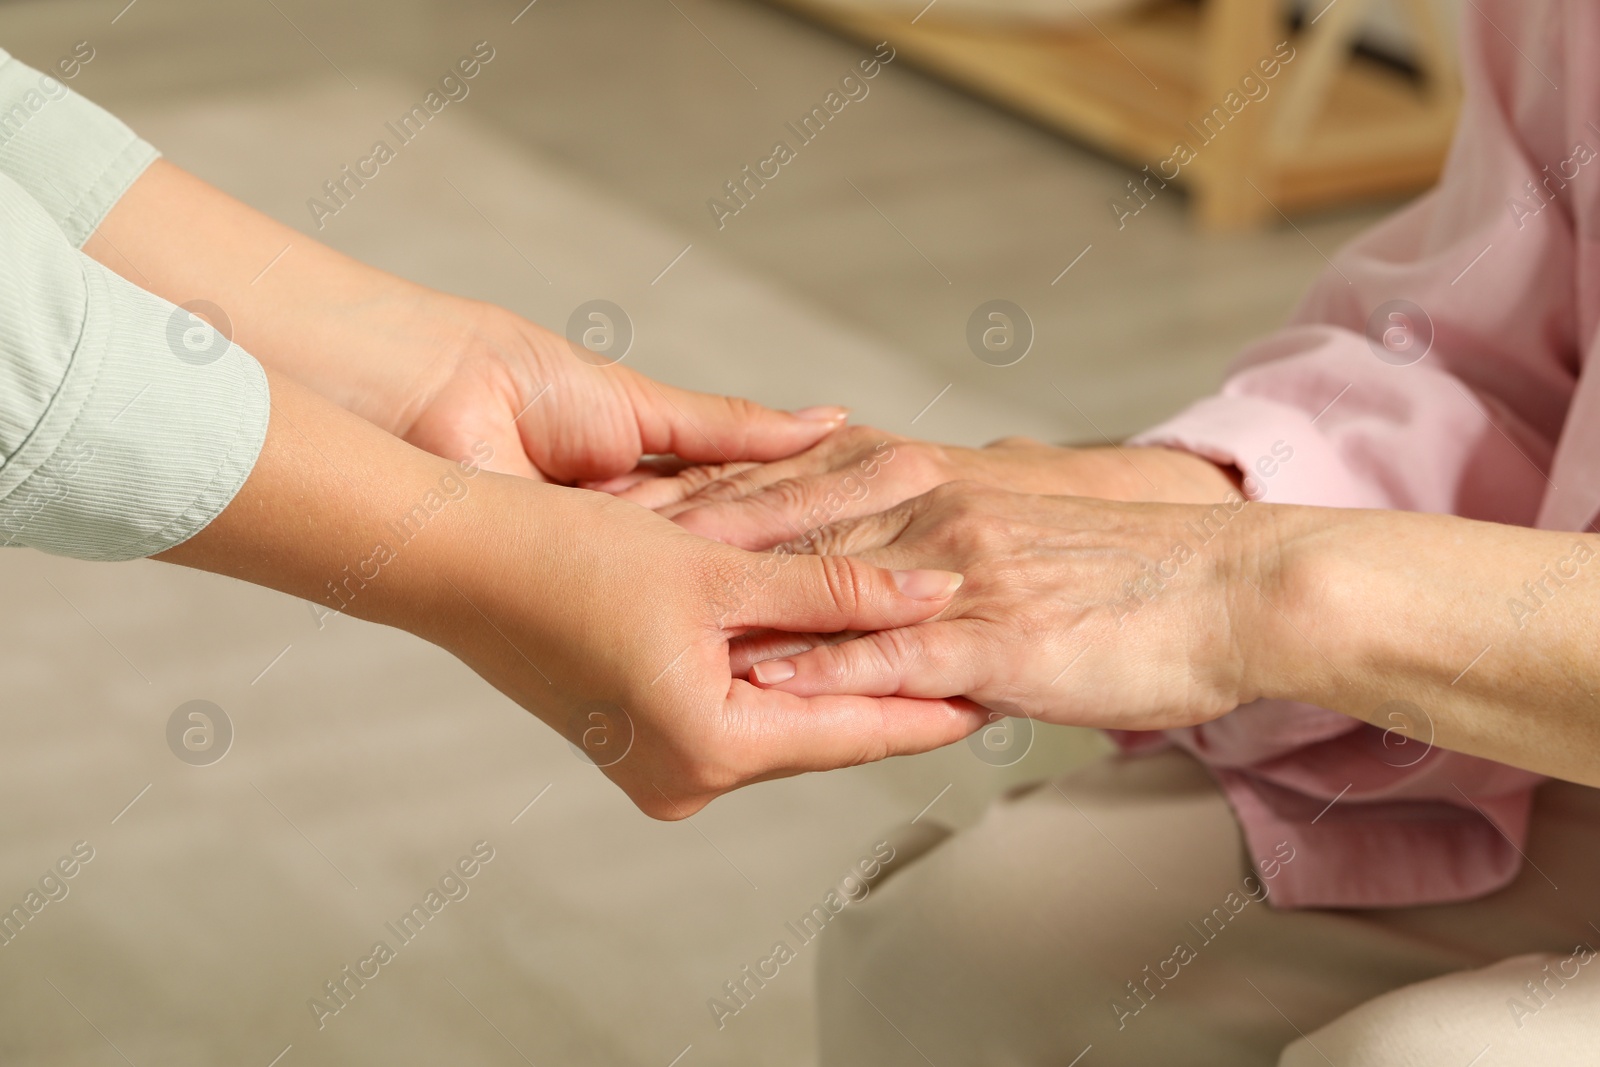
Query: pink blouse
x=1477, y=396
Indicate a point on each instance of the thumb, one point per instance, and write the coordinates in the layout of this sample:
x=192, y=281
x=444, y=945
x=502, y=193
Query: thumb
x=704, y=428
x=825, y=594
x=793, y=734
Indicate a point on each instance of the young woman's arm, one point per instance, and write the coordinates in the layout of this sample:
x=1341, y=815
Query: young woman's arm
x=438, y=370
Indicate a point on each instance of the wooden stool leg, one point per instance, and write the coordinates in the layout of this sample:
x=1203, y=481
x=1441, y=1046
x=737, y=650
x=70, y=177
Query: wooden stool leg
x=1324, y=49
x=1436, y=52
x=1238, y=34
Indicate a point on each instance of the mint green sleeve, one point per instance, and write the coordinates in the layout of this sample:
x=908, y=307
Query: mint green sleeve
x=126, y=424
x=73, y=157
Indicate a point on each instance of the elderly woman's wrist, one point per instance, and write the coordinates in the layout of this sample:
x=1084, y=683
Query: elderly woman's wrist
x=1264, y=598
x=1174, y=476
x=1150, y=474
x=1108, y=472
x=1301, y=605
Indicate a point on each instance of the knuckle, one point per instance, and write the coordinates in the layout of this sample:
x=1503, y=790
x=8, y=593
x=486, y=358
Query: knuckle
x=696, y=479
x=948, y=494
x=872, y=746
x=728, y=481
x=786, y=495
x=989, y=534
x=831, y=666
x=847, y=582
x=890, y=649
x=782, y=506
x=830, y=540
x=742, y=415
x=964, y=519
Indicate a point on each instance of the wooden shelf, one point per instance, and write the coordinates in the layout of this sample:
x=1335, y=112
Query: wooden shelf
x=1334, y=127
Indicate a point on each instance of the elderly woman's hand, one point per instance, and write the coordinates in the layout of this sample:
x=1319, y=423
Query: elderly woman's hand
x=859, y=471
x=1075, y=611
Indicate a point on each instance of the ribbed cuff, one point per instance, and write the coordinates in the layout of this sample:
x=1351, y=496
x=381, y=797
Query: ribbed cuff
x=71, y=156
x=149, y=437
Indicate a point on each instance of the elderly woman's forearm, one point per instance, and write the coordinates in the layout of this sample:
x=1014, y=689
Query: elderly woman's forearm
x=1492, y=632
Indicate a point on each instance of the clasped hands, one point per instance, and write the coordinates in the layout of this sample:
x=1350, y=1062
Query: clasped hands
x=684, y=665
x=802, y=611
x=1078, y=606
x=865, y=596
x=691, y=645
x=803, y=595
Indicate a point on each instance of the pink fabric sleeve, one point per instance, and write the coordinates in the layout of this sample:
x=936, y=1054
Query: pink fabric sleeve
x=1468, y=429
x=1324, y=413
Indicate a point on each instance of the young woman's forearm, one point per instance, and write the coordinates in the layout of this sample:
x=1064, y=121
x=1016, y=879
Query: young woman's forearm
x=327, y=492
x=317, y=315
x=1492, y=631
x=440, y=371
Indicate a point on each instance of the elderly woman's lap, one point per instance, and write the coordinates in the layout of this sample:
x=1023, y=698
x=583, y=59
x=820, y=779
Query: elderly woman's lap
x=1113, y=913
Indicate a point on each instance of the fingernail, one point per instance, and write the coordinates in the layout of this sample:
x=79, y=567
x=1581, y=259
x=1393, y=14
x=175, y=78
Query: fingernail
x=773, y=671
x=927, y=585
x=823, y=413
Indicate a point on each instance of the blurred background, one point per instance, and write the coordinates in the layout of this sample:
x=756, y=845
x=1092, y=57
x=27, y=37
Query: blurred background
x=987, y=161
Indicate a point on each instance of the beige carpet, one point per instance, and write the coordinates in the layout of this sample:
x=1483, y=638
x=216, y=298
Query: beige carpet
x=365, y=763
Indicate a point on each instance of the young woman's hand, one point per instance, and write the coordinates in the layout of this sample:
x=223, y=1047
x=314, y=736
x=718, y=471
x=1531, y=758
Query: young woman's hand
x=859, y=471
x=613, y=626
x=1090, y=613
x=440, y=371
x=553, y=415
x=605, y=620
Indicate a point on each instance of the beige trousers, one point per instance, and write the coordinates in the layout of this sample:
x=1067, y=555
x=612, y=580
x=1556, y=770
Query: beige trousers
x=1112, y=917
